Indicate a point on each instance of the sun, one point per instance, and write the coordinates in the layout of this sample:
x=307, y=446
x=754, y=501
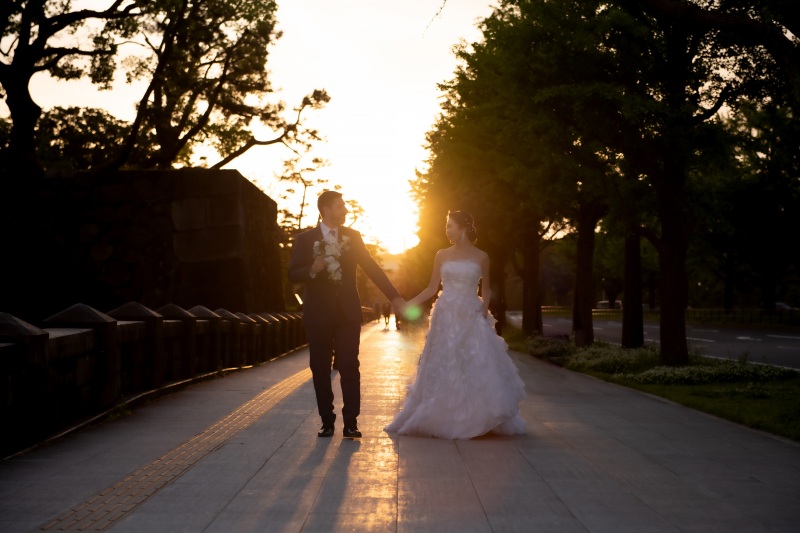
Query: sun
x=395, y=237
x=389, y=220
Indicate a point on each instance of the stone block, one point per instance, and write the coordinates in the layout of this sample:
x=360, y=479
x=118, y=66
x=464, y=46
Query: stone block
x=190, y=182
x=190, y=213
x=226, y=211
x=210, y=244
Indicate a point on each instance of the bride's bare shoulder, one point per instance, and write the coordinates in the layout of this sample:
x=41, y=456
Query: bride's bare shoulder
x=480, y=256
x=444, y=254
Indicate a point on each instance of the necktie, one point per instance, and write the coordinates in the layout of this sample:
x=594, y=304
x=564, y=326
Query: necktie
x=332, y=235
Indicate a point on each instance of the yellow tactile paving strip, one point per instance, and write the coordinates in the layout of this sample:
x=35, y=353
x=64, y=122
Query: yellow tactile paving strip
x=112, y=503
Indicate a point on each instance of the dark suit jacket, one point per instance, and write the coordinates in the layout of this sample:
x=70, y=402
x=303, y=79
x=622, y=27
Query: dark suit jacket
x=325, y=300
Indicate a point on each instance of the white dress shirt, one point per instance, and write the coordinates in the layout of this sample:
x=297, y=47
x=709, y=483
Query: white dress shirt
x=326, y=233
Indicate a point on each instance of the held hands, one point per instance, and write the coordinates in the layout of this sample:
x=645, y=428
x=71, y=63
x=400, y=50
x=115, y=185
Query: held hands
x=412, y=311
x=400, y=306
x=408, y=310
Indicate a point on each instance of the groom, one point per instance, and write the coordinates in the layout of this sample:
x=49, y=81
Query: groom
x=325, y=259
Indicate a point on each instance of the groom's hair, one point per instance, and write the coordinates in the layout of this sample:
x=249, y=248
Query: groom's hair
x=327, y=198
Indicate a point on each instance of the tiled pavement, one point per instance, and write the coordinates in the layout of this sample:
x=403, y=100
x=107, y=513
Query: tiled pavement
x=241, y=454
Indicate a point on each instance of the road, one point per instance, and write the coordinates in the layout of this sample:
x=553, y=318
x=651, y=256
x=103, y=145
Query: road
x=773, y=346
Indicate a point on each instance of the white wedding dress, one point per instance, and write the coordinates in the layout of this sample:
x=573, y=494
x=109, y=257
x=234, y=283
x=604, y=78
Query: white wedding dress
x=466, y=384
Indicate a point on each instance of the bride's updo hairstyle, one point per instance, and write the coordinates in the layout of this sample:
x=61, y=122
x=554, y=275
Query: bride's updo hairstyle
x=465, y=222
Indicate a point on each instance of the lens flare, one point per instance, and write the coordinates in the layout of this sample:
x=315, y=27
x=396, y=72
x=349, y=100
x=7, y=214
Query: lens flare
x=413, y=312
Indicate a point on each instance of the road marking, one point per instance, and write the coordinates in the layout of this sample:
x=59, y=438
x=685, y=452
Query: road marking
x=99, y=512
x=784, y=337
x=707, y=330
x=748, y=339
x=699, y=340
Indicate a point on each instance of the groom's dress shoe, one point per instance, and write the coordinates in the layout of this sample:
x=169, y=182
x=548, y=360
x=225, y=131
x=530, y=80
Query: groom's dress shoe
x=325, y=431
x=352, y=433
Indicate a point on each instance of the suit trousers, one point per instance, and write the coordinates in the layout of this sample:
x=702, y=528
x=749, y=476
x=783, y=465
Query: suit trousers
x=342, y=339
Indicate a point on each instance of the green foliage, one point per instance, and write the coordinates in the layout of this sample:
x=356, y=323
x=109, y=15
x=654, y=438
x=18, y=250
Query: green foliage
x=771, y=406
x=207, y=64
x=720, y=372
x=759, y=396
x=49, y=36
x=74, y=139
x=205, y=61
x=557, y=350
x=609, y=359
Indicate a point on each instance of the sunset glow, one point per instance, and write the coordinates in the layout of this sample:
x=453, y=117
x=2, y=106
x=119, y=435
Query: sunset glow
x=379, y=62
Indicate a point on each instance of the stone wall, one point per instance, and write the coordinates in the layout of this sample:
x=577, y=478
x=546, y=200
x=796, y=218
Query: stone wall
x=83, y=363
x=189, y=237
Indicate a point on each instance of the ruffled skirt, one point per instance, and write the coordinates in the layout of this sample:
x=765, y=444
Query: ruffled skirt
x=466, y=383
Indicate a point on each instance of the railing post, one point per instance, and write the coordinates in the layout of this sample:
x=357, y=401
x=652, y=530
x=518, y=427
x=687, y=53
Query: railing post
x=262, y=349
x=273, y=337
x=188, y=337
x=300, y=330
x=233, y=354
x=24, y=374
x=106, y=377
x=291, y=330
x=281, y=334
x=250, y=341
x=150, y=371
x=213, y=361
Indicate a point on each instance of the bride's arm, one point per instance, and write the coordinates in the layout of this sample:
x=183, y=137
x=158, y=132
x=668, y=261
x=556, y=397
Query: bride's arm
x=433, y=287
x=486, y=286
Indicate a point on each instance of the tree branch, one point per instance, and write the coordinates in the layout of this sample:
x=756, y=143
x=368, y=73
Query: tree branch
x=130, y=142
x=59, y=22
x=724, y=95
x=57, y=54
x=737, y=28
x=251, y=142
x=287, y=131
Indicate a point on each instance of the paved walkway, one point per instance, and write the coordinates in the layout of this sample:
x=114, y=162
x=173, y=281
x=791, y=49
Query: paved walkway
x=241, y=454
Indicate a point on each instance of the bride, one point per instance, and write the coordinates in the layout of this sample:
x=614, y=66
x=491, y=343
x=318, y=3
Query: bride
x=466, y=384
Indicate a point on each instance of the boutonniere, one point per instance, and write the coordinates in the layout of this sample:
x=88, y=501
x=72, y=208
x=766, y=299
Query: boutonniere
x=332, y=252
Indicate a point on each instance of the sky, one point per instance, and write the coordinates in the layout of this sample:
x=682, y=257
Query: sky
x=380, y=62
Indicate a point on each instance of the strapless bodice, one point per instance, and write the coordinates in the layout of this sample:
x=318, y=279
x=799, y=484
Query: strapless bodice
x=460, y=275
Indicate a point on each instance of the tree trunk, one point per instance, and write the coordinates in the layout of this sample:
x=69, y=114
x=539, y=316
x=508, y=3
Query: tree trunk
x=672, y=262
x=632, y=317
x=531, y=308
x=583, y=301
x=21, y=162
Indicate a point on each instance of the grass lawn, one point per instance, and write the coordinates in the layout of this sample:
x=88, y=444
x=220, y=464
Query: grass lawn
x=758, y=396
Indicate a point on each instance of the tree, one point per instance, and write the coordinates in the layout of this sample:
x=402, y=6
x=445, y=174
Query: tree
x=755, y=201
x=205, y=60
x=557, y=171
x=627, y=79
x=208, y=81
x=292, y=221
x=32, y=41
x=769, y=29
x=74, y=139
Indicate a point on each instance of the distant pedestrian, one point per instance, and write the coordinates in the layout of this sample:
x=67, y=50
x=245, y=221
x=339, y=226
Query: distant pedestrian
x=387, y=312
x=377, y=309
